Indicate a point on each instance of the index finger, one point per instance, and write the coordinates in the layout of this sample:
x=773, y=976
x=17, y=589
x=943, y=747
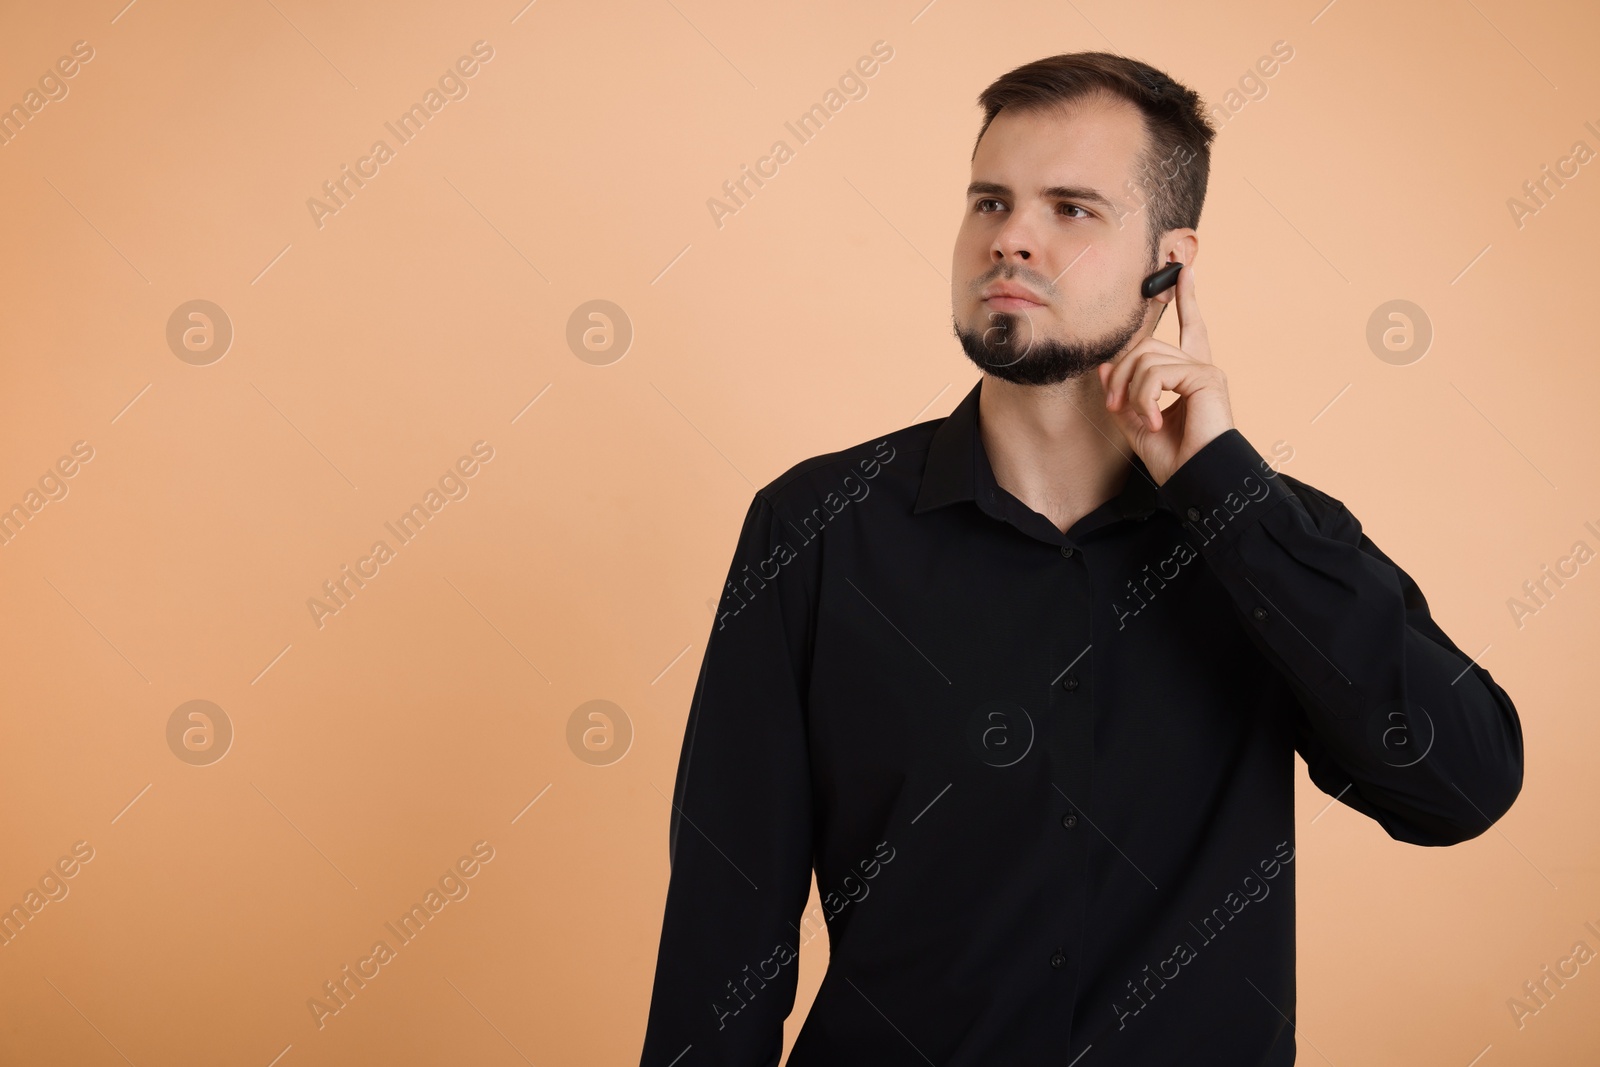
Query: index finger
x=1192, y=338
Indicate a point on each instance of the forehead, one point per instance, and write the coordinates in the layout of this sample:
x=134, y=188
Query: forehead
x=1091, y=141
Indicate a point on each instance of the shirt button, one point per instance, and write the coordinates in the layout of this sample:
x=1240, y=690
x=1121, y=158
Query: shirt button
x=1260, y=613
x=1069, y=820
x=1194, y=514
x=1070, y=682
x=1059, y=959
x=1066, y=550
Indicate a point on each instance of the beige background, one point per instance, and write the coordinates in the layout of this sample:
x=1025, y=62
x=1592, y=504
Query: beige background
x=431, y=311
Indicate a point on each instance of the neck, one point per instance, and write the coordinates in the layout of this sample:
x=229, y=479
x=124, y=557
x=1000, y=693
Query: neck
x=1053, y=447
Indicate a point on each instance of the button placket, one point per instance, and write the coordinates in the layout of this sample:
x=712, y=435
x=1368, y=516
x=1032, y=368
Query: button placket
x=1072, y=730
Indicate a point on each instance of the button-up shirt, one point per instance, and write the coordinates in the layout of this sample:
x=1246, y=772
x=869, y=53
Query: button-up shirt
x=1045, y=781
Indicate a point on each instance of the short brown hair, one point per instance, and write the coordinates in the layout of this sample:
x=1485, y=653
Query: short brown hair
x=1176, y=128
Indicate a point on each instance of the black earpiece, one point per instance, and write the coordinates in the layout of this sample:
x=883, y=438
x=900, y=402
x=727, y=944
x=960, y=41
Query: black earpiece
x=1163, y=279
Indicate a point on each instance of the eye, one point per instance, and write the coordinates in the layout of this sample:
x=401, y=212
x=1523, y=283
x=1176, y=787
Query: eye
x=1075, y=207
x=978, y=207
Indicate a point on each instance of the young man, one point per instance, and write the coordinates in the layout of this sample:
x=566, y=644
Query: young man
x=1025, y=684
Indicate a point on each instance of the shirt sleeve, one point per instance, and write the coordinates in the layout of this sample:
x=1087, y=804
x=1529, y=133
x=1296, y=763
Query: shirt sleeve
x=1392, y=718
x=740, y=845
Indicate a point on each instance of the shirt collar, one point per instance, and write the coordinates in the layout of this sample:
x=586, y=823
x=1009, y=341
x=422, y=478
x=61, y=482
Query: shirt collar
x=958, y=469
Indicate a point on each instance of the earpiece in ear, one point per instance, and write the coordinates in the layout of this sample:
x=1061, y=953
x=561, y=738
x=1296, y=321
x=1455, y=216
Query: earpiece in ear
x=1161, y=280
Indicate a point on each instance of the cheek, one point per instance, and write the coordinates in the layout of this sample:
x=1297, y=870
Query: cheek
x=970, y=242
x=1084, y=291
x=1089, y=304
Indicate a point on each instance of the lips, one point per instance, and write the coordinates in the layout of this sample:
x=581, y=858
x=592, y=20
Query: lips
x=1007, y=294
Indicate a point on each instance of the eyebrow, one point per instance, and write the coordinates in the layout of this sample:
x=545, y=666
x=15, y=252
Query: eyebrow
x=1054, y=192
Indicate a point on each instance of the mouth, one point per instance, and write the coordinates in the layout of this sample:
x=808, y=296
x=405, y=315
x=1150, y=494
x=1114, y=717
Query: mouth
x=1009, y=296
x=1002, y=302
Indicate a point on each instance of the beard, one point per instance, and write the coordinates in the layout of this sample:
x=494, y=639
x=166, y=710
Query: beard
x=1008, y=348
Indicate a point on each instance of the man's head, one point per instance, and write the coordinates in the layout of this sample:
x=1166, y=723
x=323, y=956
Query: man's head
x=1088, y=174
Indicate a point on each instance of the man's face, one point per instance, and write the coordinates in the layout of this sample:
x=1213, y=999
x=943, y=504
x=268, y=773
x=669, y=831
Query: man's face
x=1042, y=215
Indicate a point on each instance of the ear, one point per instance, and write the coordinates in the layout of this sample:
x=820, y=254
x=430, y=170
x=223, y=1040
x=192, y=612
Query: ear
x=1177, y=246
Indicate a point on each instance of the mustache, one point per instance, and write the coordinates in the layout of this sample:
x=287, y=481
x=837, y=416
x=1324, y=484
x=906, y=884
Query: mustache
x=1031, y=279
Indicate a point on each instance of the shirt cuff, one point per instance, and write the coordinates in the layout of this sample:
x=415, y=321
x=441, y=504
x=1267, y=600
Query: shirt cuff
x=1222, y=490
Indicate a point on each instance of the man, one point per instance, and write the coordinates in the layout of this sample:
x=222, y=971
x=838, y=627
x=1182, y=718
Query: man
x=1024, y=685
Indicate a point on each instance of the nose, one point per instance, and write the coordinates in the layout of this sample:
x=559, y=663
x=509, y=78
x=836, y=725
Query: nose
x=1013, y=241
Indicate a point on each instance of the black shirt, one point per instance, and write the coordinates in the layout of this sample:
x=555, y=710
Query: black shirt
x=1046, y=781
